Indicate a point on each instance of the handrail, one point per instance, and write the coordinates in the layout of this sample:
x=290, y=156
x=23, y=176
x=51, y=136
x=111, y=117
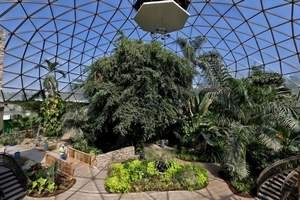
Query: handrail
x=277, y=167
x=285, y=187
x=9, y=162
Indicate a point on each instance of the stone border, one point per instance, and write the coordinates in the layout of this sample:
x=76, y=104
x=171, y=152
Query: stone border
x=120, y=155
x=105, y=159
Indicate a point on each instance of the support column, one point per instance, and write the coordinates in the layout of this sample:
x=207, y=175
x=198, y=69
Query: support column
x=2, y=43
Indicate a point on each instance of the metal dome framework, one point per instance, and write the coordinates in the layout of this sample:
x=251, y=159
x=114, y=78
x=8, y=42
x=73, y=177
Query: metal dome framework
x=75, y=33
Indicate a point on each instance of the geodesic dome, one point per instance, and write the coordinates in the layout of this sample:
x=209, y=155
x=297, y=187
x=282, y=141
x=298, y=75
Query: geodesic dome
x=75, y=33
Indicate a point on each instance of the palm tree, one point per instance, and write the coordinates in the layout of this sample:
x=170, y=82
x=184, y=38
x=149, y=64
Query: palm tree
x=238, y=117
x=50, y=83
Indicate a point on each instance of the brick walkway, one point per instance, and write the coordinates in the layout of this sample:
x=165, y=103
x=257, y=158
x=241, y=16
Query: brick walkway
x=90, y=186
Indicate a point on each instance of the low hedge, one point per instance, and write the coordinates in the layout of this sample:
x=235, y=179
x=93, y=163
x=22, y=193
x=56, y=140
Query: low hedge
x=137, y=176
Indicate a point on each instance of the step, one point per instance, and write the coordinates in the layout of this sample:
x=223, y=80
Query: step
x=272, y=184
x=10, y=173
x=9, y=183
x=12, y=194
x=17, y=196
x=271, y=190
x=12, y=188
x=269, y=194
x=4, y=170
x=261, y=196
x=7, y=179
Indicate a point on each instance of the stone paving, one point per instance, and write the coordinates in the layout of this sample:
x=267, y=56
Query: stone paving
x=90, y=186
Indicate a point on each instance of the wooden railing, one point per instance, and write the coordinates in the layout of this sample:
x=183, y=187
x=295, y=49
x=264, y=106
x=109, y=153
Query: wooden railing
x=278, y=167
x=81, y=156
x=63, y=166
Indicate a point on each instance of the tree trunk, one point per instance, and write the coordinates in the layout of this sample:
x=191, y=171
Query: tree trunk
x=2, y=41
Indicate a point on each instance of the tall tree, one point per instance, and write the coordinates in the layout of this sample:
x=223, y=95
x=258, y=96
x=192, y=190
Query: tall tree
x=138, y=92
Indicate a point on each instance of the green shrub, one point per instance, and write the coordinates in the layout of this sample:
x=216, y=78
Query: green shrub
x=144, y=176
x=43, y=180
x=9, y=139
x=81, y=143
x=192, y=177
x=135, y=169
x=151, y=169
x=173, y=168
x=42, y=185
x=119, y=181
x=20, y=122
x=244, y=185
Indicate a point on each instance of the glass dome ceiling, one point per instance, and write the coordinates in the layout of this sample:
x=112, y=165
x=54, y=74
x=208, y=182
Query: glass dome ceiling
x=75, y=33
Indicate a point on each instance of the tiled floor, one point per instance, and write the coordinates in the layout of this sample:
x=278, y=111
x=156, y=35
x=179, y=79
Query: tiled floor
x=90, y=186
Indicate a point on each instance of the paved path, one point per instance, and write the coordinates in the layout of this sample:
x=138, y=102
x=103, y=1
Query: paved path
x=90, y=186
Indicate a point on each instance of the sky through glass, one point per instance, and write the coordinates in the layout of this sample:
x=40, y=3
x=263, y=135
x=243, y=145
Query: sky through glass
x=77, y=32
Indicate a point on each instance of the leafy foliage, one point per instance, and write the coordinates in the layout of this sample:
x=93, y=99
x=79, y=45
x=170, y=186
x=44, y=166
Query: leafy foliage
x=137, y=92
x=20, y=122
x=138, y=176
x=9, y=139
x=42, y=185
x=43, y=180
x=50, y=83
x=81, y=143
x=51, y=114
x=231, y=114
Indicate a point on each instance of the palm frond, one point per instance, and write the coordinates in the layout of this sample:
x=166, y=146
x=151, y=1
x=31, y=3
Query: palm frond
x=63, y=73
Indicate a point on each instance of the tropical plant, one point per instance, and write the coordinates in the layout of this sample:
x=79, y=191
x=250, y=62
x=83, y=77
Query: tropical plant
x=51, y=114
x=137, y=92
x=238, y=112
x=44, y=180
x=42, y=185
x=50, y=83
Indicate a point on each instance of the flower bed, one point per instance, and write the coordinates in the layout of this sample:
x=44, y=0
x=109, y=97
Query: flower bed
x=46, y=182
x=137, y=176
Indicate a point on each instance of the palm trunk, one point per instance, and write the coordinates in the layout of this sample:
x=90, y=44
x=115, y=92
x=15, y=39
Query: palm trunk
x=2, y=40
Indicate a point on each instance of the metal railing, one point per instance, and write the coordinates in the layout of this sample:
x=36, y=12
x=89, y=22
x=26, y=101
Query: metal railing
x=278, y=167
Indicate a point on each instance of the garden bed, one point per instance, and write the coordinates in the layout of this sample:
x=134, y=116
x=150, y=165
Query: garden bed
x=47, y=182
x=138, y=176
x=64, y=183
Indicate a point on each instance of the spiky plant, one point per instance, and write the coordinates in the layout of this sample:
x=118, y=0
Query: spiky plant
x=50, y=83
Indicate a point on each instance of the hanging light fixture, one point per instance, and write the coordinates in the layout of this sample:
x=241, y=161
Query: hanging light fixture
x=161, y=16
